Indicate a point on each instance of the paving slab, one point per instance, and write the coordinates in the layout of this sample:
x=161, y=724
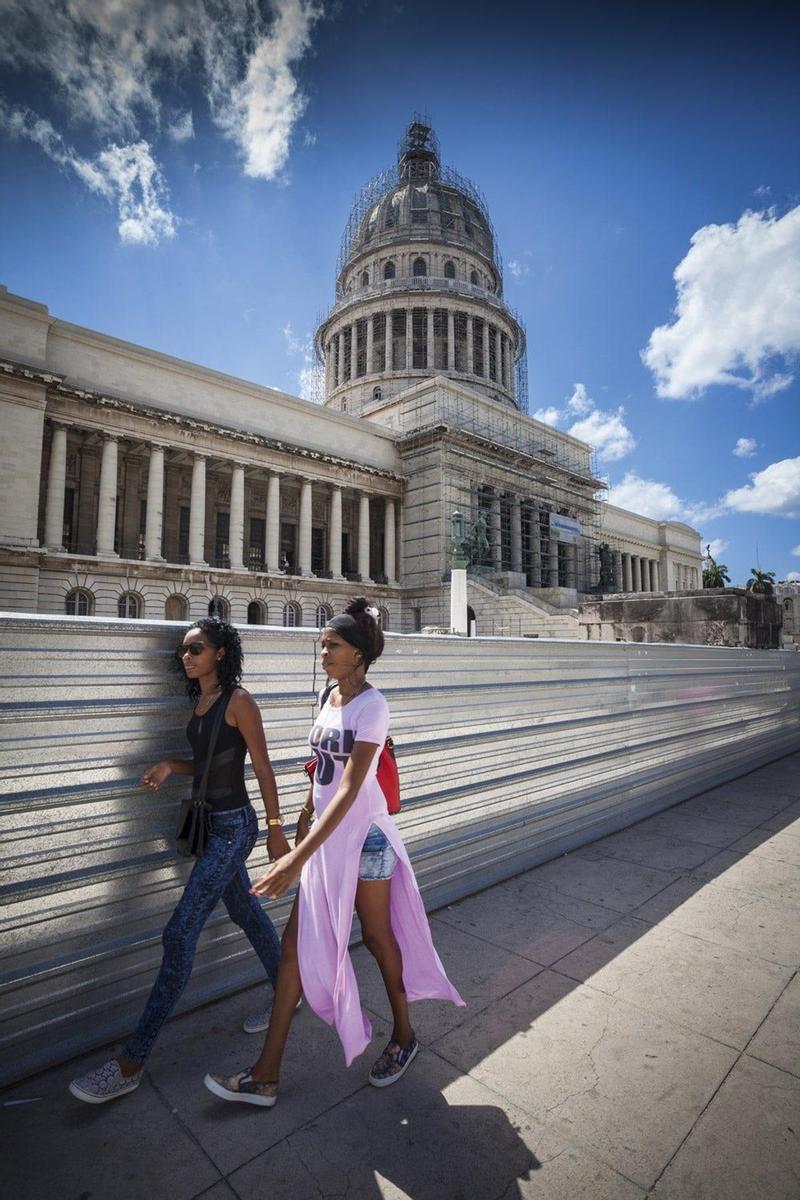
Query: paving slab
x=484, y=973
x=727, y=916
x=220, y=1191
x=55, y=1145
x=650, y=848
x=781, y=844
x=778, y=1040
x=530, y=918
x=433, y=1136
x=746, y=1146
x=762, y=875
x=784, y=819
x=710, y=989
x=612, y=883
x=719, y=832
x=742, y=807
x=626, y=1085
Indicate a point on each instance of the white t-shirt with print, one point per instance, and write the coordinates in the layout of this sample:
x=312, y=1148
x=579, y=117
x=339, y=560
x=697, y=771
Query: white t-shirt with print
x=365, y=718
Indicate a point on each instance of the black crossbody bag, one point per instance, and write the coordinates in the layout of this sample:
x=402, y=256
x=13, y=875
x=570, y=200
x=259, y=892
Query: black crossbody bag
x=193, y=820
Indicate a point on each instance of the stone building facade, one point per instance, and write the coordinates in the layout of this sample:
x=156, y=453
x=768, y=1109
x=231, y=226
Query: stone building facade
x=139, y=485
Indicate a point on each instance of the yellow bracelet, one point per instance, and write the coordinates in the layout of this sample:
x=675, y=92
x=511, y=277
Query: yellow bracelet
x=275, y=821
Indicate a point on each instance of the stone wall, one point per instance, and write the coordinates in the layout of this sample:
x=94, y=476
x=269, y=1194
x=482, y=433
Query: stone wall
x=713, y=617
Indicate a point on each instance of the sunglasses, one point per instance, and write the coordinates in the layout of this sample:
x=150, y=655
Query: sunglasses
x=193, y=648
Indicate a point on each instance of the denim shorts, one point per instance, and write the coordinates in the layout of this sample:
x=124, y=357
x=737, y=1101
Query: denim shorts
x=378, y=859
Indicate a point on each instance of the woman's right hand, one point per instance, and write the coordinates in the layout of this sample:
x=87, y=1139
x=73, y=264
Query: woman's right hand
x=155, y=776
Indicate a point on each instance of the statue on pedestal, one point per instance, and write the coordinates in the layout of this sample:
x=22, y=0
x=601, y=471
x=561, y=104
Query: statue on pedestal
x=606, y=583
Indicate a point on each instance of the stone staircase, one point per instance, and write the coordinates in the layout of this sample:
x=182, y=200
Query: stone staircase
x=516, y=612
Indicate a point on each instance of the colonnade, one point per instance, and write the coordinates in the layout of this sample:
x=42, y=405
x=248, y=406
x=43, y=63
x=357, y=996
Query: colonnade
x=356, y=350
x=635, y=573
x=537, y=555
x=154, y=521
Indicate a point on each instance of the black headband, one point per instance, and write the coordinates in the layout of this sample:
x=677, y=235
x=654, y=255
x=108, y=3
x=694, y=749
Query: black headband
x=348, y=628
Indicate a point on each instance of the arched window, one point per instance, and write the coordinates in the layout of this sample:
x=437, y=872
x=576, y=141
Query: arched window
x=419, y=267
x=176, y=608
x=365, y=278
x=322, y=615
x=383, y=617
x=129, y=605
x=449, y=269
x=219, y=609
x=292, y=615
x=79, y=603
x=256, y=613
x=474, y=277
x=376, y=393
x=389, y=270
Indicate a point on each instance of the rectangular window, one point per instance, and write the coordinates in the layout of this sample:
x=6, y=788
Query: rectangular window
x=183, y=532
x=440, y=332
x=348, y=340
x=318, y=555
x=68, y=531
x=477, y=346
x=503, y=344
x=419, y=335
x=416, y=619
x=222, y=552
x=288, y=548
x=461, y=341
x=255, y=550
x=361, y=347
x=492, y=353
x=379, y=342
x=419, y=206
x=446, y=217
x=398, y=340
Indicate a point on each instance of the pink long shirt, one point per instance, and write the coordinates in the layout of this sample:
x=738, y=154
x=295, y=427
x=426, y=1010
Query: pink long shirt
x=328, y=883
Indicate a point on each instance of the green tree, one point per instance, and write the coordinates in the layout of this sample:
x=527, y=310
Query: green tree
x=761, y=582
x=715, y=575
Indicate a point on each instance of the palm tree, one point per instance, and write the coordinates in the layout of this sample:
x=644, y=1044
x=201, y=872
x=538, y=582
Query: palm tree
x=761, y=582
x=715, y=575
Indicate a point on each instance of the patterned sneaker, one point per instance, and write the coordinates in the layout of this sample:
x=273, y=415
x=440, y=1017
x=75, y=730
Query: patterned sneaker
x=242, y=1087
x=259, y=1021
x=106, y=1083
x=393, y=1063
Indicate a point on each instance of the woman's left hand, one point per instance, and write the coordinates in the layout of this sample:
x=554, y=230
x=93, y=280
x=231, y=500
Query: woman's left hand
x=279, y=878
x=277, y=845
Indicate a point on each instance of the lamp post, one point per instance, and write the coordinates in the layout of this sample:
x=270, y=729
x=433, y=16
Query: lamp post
x=458, y=575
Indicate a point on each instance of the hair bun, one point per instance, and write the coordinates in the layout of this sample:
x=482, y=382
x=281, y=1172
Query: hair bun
x=358, y=605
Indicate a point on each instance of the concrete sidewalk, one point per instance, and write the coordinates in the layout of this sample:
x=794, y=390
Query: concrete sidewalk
x=632, y=1030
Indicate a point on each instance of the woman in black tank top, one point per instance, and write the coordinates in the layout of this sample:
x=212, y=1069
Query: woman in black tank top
x=211, y=655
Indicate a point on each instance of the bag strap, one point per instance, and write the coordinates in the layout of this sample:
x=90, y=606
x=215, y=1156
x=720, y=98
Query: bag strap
x=219, y=717
x=326, y=694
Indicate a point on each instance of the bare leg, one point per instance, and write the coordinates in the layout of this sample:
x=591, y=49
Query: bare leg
x=288, y=990
x=372, y=906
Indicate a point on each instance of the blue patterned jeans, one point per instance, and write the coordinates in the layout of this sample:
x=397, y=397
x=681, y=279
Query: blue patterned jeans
x=219, y=875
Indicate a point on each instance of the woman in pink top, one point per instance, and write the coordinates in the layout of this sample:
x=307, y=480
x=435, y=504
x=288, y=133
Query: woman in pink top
x=352, y=856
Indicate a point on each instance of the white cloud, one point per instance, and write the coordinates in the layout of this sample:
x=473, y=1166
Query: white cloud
x=647, y=497
x=716, y=547
x=796, y=551
x=745, y=447
x=309, y=138
x=775, y=490
x=607, y=432
x=182, y=128
x=103, y=65
x=579, y=402
x=311, y=384
x=518, y=270
x=548, y=416
x=127, y=176
x=793, y=577
x=737, y=317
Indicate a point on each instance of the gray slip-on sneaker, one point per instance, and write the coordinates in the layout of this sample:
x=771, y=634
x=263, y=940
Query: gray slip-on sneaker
x=104, y=1084
x=242, y=1087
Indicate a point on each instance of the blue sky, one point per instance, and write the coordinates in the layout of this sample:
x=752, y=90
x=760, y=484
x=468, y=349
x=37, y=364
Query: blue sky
x=180, y=177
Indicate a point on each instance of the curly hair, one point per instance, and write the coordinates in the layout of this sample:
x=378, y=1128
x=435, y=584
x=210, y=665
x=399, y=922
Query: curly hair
x=362, y=613
x=225, y=637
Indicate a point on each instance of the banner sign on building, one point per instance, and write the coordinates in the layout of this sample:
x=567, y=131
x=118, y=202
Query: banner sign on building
x=567, y=528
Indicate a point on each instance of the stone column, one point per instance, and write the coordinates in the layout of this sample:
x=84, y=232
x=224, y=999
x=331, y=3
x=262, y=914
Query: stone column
x=512, y=379
x=197, y=513
x=370, y=345
x=638, y=581
x=485, y=349
x=553, y=563
x=516, y=534
x=470, y=345
x=535, y=548
x=154, y=524
x=572, y=565
x=353, y=351
x=627, y=576
x=330, y=382
x=409, y=339
x=335, y=534
x=656, y=586
x=363, y=538
x=107, y=499
x=498, y=355
x=451, y=340
x=388, y=341
x=56, y=488
x=304, y=547
x=495, y=538
x=389, y=554
x=618, y=587
x=431, y=357
x=340, y=370
x=272, y=549
x=236, y=533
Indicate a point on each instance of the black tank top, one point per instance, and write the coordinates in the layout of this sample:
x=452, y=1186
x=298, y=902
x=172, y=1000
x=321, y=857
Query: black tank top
x=226, y=787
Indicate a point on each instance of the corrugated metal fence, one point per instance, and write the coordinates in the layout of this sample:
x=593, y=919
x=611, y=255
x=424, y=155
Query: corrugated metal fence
x=510, y=752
